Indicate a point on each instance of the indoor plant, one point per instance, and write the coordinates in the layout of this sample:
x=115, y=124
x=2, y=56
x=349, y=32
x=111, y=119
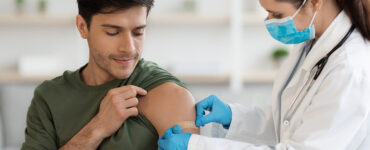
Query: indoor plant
x=279, y=54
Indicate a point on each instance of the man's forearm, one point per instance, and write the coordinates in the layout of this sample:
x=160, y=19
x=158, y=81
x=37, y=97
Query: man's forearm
x=89, y=138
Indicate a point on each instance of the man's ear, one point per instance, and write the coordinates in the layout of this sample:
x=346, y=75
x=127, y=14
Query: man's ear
x=82, y=26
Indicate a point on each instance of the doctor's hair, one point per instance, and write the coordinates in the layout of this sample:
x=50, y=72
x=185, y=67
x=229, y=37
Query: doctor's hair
x=88, y=8
x=357, y=10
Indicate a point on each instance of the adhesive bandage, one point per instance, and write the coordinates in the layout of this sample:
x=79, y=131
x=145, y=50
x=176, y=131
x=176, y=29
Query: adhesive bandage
x=188, y=125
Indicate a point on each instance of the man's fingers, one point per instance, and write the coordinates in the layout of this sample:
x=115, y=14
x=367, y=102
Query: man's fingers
x=139, y=90
x=132, y=102
x=133, y=91
x=129, y=91
x=133, y=111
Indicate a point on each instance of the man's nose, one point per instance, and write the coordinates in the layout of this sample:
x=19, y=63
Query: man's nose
x=127, y=44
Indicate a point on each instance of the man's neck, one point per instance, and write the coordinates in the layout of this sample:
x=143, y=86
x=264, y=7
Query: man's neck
x=92, y=75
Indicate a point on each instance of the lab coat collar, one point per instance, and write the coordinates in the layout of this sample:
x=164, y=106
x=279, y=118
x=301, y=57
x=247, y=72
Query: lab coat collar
x=328, y=40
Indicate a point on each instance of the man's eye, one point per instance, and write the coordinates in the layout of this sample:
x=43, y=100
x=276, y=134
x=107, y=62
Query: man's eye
x=112, y=33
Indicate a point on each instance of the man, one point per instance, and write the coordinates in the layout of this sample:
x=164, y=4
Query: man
x=117, y=100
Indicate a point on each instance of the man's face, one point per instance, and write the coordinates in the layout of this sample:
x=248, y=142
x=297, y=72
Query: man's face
x=116, y=41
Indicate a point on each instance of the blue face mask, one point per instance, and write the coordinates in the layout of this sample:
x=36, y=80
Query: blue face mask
x=285, y=30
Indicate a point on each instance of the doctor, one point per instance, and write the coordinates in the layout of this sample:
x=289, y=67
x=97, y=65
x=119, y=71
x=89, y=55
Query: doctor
x=321, y=97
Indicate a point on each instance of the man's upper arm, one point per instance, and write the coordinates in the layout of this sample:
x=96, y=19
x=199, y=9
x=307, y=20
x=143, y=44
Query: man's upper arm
x=39, y=133
x=167, y=105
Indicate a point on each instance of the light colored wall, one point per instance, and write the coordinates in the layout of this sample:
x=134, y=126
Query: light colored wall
x=57, y=7
x=167, y=44
x=20, y=40
x=173, y=44
x=15, y=100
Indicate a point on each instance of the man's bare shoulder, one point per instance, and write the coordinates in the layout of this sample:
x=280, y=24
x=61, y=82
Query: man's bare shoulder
x=167, y=105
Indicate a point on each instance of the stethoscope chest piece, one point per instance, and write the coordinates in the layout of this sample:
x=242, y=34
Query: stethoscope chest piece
x=320, y=66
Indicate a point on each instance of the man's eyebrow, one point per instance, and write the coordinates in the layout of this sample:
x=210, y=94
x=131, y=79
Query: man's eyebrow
x=119, y=27
x=111, y=26
x=140, y=27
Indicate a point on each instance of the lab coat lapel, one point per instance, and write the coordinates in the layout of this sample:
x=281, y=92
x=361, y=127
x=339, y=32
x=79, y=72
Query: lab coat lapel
x=328, y=40
x=320, y=49
x=280, y=80
x=323, y=46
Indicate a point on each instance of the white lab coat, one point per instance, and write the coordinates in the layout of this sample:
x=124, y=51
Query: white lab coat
x=333, y=116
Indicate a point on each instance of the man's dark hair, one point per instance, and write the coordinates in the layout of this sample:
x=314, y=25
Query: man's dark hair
x=88, y=8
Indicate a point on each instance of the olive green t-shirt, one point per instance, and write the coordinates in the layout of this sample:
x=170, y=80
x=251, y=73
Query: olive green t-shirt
x=61, y=107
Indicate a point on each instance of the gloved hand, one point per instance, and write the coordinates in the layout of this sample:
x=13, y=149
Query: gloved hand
x=174, y=139
x=219, y=112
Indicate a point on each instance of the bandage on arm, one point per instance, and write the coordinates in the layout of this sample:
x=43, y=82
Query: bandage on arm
x=188, y=126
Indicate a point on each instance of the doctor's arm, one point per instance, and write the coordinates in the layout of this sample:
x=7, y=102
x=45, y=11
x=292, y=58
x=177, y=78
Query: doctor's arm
x=259, y=127
x=244, y=123
x=332, y=120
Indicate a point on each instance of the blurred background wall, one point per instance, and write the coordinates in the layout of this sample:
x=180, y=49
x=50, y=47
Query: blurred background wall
x=215, y=46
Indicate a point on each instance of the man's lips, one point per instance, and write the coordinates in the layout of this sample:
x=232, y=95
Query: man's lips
x=124, y=62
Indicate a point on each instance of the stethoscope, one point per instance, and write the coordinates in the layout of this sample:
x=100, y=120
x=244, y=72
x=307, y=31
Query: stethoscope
x=314, y=74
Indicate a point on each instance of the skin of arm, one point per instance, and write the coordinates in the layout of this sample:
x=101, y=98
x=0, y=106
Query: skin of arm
x=167, y=105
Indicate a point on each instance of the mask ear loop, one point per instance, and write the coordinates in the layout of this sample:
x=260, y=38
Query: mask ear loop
x=313, y=18
x=299, y=9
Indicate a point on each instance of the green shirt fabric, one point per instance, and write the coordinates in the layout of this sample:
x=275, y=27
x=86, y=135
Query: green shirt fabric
x=61, y=107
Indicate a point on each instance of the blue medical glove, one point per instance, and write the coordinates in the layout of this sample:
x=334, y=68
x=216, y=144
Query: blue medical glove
x=174, y=139
x=219, y=112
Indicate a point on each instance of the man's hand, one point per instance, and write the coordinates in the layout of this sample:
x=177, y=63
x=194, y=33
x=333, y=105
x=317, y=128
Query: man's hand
x=118, y=105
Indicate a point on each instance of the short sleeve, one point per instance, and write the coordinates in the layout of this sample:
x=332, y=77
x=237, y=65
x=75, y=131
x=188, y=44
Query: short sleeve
x=149, y=75
x=40, y=132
